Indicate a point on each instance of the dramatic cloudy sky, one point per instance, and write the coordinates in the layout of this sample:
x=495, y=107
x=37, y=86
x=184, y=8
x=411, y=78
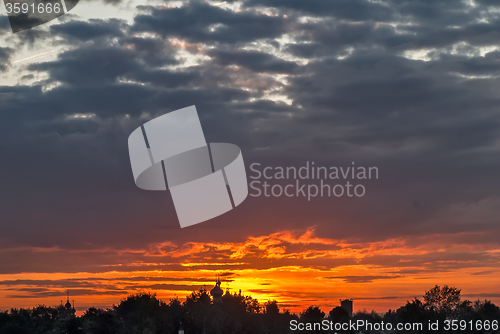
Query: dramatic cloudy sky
x=410, y=87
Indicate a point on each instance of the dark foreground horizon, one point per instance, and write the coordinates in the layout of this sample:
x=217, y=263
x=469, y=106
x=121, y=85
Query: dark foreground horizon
x=442, y=310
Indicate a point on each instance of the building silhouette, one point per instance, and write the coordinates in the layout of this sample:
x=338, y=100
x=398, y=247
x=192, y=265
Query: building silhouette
x=217, y=292
x=346, y=304
x=66, y=311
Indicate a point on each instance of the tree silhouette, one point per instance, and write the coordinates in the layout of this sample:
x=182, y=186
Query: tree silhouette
x=97, y=321
x=144, y=313
x=312, y=313
x=271, y=307
x=338, y=314
x=200, y=296
x=445, y=301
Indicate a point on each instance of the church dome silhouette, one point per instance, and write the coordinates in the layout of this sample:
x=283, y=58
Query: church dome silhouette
x=217, y=292
x=68, y=305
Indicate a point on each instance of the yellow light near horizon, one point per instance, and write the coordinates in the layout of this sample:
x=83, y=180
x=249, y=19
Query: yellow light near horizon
x=297, y=270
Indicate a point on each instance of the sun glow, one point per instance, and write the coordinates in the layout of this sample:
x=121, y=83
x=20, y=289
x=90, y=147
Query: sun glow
x=297, y=269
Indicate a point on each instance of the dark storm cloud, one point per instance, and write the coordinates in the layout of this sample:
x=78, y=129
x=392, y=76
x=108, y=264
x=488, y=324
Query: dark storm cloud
x=363, y=279
x=485, y=272
x=90, y=65
x=357, y=10
x=430, y=126
x=65, y=283
x=30, y=38
x=254, y=61
x=331, y=38
x=5, y=54
x=99, y=286
x=97, y=282
x=435, y=261
x=170, y=287
x=200, y=22
x=474, y=33
x=4, y=25
x=166, y=78
x=40, y=293
x=442, y=13
x=154, y=52
x=491, y=3
x=76, y=31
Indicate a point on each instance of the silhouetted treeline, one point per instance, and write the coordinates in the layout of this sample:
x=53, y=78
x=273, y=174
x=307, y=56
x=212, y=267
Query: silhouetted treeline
x=237, y=314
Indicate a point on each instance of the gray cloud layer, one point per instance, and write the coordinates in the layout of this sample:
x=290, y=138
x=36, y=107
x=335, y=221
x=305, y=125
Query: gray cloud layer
x=359, y=91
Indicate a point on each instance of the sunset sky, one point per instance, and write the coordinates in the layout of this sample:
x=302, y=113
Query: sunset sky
x=410, y=87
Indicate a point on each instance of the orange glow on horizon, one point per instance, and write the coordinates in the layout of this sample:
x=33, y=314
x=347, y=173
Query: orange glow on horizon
x=296, y=269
